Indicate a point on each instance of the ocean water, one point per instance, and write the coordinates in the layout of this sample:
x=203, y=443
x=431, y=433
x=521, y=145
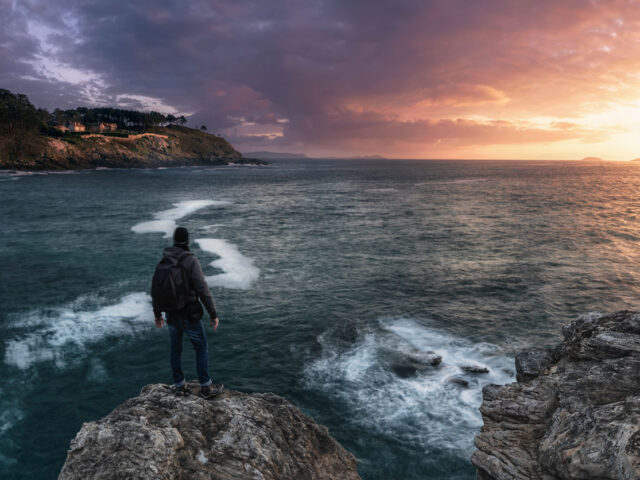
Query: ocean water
x=328, y=276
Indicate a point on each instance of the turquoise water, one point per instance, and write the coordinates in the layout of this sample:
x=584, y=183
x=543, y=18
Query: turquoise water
x=326, y=274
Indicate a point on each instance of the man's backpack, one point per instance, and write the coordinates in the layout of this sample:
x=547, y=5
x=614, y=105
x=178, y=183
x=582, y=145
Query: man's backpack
x=170, y=285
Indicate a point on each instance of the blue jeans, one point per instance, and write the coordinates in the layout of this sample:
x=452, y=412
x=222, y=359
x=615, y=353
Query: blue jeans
x=195, y=332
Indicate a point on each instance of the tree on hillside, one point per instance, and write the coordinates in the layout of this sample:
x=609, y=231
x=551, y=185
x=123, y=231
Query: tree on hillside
x=17, y=114
x=203, y=128
x=20, y=123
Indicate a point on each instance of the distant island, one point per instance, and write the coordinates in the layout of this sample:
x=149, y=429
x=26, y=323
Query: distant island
x=367, y=157
x=592, y=159
x=287, y=155
x=81, y=138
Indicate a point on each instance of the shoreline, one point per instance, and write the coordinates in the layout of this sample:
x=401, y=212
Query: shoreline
x=48, y=171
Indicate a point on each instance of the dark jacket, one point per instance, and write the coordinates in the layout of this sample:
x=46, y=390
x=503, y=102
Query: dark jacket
x=199, y=288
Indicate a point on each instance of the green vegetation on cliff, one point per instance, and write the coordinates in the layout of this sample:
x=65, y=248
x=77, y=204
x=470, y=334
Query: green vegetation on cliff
x=34, y=139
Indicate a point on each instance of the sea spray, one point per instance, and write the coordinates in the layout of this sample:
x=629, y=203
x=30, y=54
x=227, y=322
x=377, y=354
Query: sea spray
x=434, y=409
x=61, y=335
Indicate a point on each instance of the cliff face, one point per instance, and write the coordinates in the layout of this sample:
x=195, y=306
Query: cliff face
x=574, y=412
x=159, y=435
x=169, y=146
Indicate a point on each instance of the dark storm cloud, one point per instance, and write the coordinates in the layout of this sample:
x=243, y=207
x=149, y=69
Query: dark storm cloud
x=321, y=73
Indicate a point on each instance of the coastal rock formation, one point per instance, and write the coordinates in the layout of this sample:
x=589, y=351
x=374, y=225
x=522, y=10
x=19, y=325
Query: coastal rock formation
x=166, y=147
x=159, y=435
x=574, y=412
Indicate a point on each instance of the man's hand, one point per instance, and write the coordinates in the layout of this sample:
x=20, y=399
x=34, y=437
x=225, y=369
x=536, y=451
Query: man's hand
x=159, y=321
x=214, y=323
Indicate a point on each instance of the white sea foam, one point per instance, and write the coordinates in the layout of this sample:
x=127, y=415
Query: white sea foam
x=9, y=415
x=62, y=335
x=428, y=409
x=239, y=271
x=165, y=221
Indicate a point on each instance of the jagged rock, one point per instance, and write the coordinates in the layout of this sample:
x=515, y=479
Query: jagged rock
x=430, y=359
x=414, y=362
x=530, y=362
x=159, y=435
x=459, y=381
x=574, y=412
x=474, y=369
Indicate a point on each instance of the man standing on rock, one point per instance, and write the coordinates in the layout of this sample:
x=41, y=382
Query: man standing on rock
x=177, y=288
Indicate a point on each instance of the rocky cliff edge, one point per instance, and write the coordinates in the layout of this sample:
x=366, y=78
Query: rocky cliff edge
x=159, y=435
x=574, y=412
x=164, y=147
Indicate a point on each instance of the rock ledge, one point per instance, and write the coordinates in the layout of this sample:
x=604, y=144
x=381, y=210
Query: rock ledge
x=574, y=412
x=159, y=435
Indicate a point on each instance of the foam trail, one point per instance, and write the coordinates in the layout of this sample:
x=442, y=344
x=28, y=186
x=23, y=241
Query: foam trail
x=9, y=415
x=64, y=334
x=427, y=410
x=239, y=271
x=166, y=219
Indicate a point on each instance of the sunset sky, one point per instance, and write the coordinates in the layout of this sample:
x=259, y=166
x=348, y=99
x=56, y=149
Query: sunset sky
x=539, y=79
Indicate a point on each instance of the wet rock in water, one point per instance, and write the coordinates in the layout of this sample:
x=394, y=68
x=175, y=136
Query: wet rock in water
x=425, y=358
x=459, y=381
x=404, y=370
x=574, y=412
x=474, y=369
x=159, y=435
x=413, y=363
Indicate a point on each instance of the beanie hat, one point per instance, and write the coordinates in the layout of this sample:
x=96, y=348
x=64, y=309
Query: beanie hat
x=181, y=236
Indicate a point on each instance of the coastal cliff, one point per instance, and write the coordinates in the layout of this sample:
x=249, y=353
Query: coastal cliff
x=159, y=435
x=574, y=412
x=163, y=147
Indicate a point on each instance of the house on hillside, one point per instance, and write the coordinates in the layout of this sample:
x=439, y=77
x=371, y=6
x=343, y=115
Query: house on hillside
x=76, y=127
x=107, y=127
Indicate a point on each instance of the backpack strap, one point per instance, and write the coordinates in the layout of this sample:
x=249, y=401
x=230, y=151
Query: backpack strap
x=182, y=256
x=179, y=259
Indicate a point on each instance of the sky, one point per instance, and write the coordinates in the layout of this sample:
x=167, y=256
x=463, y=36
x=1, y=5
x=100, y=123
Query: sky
x=543, y=79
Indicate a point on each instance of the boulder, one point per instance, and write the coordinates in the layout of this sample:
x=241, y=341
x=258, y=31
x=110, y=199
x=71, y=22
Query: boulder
x=159, y=435
x=574, y=412
x=474, y=369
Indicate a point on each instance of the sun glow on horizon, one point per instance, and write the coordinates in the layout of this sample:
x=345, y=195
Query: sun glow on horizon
x=546, y=79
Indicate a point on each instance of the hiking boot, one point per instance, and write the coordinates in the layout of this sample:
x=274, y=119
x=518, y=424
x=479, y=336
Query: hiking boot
x=181, y=391
x=211, y=391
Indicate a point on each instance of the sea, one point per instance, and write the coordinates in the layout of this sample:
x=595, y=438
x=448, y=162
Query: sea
x=328, y=275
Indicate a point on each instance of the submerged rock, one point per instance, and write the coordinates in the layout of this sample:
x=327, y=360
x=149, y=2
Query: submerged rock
x=425, y=358
x=574, y=412
x=474, y=369
x=410, y=364
x=159, y=435
x=459, y=381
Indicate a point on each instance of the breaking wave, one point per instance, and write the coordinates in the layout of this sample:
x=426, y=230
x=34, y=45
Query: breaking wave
x=390, y=380
x=63, y=334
